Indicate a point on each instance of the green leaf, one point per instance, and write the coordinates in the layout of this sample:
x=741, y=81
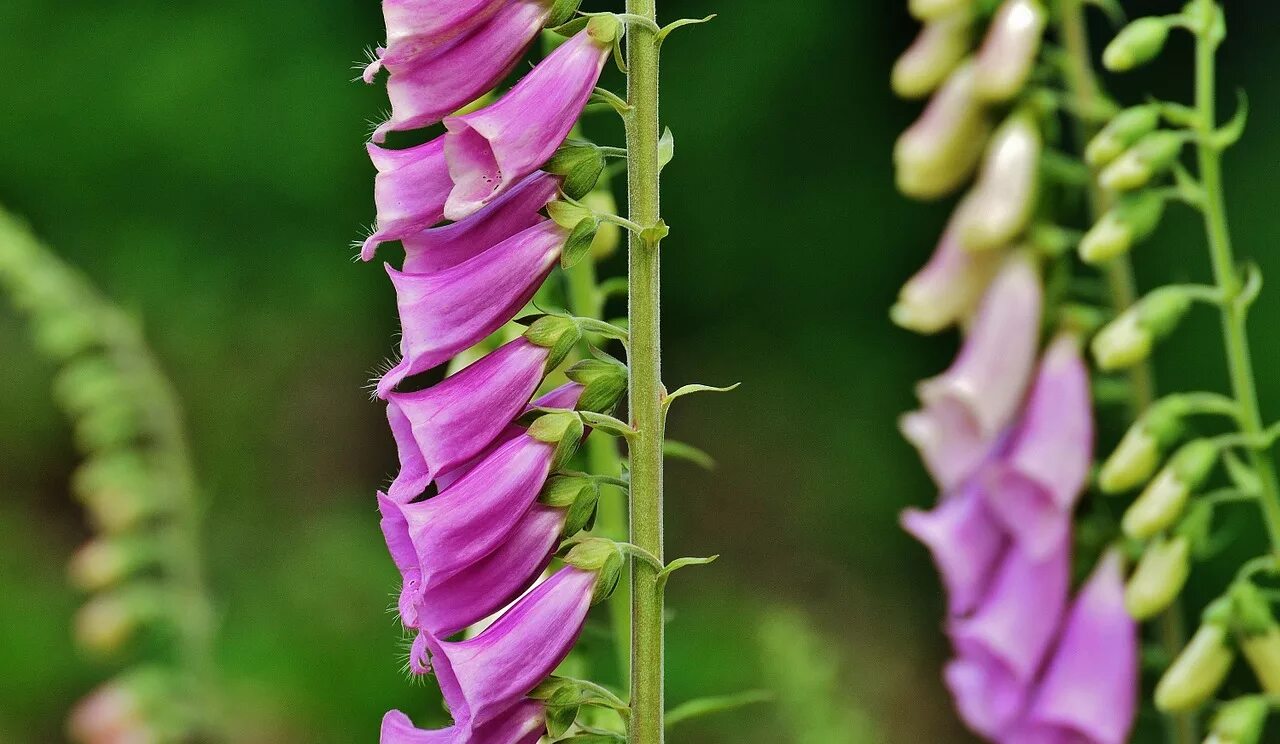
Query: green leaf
x=580, y=163
x=718, y=704
x=695, y=388
x=666, y=148
x=667, y=29
x=676, y=565
x=562, y=12
x=560, y=718
x=607, y=424
x=578, y=244
x=682, y=451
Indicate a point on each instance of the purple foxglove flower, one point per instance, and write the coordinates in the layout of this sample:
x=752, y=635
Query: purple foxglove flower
x=948, y=288
x=967, y=407
x=433, y=76
x=565, y=396
x=448, y=311
x=966, y=542
x=490, y=150
x=445, y=247
x=1002, y=645
x=410, y=191
x=416, y=27
x=1090, y=690
x=523, y=723
x=1035, y=486
x=435, y=539
x=483, y=676
x=446, y=425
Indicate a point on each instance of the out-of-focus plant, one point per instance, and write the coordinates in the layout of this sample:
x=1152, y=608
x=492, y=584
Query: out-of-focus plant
x=491, y=491
x=147, y=606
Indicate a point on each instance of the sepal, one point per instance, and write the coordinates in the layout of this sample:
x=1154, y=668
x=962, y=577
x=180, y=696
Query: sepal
x=580, y=163
x=562, y=429
x=562, y=11
x=578, y=495
x=603, y=380
x=559, y=333
x=1128, y=339
x=601, y=556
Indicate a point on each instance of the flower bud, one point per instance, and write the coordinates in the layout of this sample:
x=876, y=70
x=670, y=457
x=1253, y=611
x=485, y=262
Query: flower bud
x=580, y=164
x=941, y=149
x=932, y=10
x=1009, y=50
x=1240, y=721
x=1120, y=133
x=106, y=561
x=1149, y=157
x=555, y=332
x=602, y=556
x=1128, y=339
x=1165, y=498
x=1263, y=654
x=603, y=380
x=1136, y=457
x=119, y=710
x=608, y=234
x=999, y=207
x=564, y=430
x=1136, y=44
x=118, y=490
x=1133, y=219
x=948, y=288
x=932, y=56
x=109, y=621
x=1159, y=577
x=1198, y=672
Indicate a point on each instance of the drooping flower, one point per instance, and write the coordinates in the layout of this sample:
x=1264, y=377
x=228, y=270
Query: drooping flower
x=433, y=75
x=445, y=425
x=1009, y=50
x=523, y=723
x=444, y=312
x=416, y=27
x=1034, y=487
x=1001, y=647
x=1090, y=689
x=969, y=406
x=937, y=50
x=941, y=149
x=410, y=191
x=490, y=150
x=966, y=542
x=948, y=288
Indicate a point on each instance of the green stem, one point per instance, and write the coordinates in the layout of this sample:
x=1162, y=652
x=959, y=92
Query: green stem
x=586, y=300
x=646, y=392
x=1235, y=335
x=1084, y=87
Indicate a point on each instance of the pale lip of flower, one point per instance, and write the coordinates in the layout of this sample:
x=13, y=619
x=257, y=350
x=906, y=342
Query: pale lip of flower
x=491, y=149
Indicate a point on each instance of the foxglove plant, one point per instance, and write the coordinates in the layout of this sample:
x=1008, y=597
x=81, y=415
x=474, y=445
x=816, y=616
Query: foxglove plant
x=489, y=496
x=147, y=605
x=1032, y=663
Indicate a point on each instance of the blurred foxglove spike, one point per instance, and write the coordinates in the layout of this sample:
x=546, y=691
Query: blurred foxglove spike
x=934, y=54
x=939, y=152
x=1009, y=50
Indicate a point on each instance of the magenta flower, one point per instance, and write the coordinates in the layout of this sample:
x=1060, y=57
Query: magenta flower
x=410, y=191
x=523, y=723
x=484, y=676
x=491, y=149
x=967, y=407
x=445, y=312
x=1089, y=692
x=966, y=542
x=1001, y=647
x=416, y=27
x=435, y=74
x=1035, y=486
x=516, y=210
x=444, y=426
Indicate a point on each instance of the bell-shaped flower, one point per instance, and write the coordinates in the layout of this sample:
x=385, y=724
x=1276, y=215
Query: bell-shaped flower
x=484, y=676
x=1009, y=50
x=1035, y=485
x=410, y=191
x=948, y=288
x=447, y=311
x=941, y=149
x=1089, y=692
x=1002, y=645
x=431, y=77
x=447, y=246
x=417, y=27
x=968, y=406
x=490, y=150
x=523, y=723
x=436, y=539
x=966, y=543
x=445, y=425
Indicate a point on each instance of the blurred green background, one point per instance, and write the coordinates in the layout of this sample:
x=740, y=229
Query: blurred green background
x=203, y=163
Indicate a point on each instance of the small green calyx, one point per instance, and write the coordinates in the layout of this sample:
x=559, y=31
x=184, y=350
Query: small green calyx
x=604, y=29
x=1120, y=133
x=578, y=495
x=602, y=556
x=556, y=332
x=1136, y=44
x=1198, y=672
x=604, y=380
x=580, y=164
x=563, y=430
x=562, y=11
x=1240, y=721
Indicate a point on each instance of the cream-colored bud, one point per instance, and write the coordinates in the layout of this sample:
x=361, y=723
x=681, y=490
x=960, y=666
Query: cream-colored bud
x=1122, y=343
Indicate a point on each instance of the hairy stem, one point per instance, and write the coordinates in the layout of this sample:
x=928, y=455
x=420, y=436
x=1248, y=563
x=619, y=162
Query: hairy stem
x=1235, y=335
x=1087, y=95
x=646, y=392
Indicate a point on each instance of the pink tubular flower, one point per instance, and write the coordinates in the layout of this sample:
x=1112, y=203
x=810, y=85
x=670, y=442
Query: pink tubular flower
x=1089, y=692
x=967, y=407
x=445, y=425
x=966, y=543
x=484, y=676
x=1034, y=488
x=947, y=289
x=445, y=247
x=491, y=149
x=444, y=312
x=434, y=76
x=417, y=27
x=1003, y=644
x=410, y=191
x=523, y=723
